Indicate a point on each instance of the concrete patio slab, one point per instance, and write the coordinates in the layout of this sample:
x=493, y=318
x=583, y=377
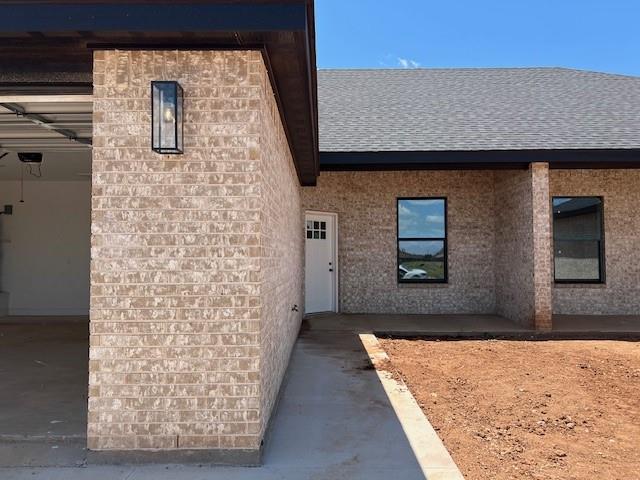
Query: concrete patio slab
x=478, y=326
x=413, y=324
x=597, y=323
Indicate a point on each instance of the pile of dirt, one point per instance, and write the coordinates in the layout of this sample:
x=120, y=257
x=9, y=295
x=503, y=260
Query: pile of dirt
x=529, y=410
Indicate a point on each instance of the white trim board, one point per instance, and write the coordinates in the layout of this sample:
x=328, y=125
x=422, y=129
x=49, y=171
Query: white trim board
x=65, y=98
x=48, y=312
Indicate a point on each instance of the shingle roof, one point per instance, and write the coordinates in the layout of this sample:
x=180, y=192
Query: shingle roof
x=477, y=109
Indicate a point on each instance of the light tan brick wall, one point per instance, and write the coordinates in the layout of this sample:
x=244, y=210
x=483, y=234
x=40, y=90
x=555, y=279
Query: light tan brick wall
x=366, y=206
x=282, y=244
x=182, y=258
x=621, y=293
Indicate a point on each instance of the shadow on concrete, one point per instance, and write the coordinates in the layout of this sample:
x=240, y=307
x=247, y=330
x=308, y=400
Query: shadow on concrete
x=334, y=417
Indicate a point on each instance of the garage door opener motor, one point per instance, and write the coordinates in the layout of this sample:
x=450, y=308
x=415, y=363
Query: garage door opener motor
x=33, y=162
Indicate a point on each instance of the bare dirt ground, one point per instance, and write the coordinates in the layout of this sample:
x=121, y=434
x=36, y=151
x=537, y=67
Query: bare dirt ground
x=529, y=410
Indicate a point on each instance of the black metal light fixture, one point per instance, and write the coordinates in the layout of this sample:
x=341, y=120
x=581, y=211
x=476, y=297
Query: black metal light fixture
x=166, y=117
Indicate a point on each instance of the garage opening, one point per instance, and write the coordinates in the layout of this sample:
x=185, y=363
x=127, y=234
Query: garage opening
x=45, y=218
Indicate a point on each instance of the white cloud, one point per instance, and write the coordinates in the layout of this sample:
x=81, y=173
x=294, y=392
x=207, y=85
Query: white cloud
x=404, y=211
x=407, y=63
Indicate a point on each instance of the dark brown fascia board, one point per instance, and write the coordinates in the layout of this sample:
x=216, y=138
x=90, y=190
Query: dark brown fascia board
x=312, y=71
x=479, y=159
x=153, y=16
x=150, y=2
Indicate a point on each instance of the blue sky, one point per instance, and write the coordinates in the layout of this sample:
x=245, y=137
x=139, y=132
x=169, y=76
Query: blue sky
x=601, y=35
x=421, y=218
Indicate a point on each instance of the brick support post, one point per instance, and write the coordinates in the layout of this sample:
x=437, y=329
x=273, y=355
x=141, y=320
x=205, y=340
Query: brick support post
x=542, y=269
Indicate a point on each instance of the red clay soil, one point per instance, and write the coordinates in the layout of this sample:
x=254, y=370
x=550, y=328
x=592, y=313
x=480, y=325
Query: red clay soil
x=529, y=410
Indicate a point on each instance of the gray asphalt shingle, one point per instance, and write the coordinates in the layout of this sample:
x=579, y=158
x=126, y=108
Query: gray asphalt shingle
x=477, y=109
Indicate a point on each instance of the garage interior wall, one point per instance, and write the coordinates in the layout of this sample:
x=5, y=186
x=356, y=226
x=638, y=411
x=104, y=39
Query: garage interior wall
x=45, y=250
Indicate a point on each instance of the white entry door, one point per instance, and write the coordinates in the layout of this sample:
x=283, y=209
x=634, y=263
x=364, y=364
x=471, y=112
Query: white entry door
x=320, y=269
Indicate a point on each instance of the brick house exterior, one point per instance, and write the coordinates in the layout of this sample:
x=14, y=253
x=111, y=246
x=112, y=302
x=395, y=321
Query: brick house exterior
x=388, y=144
x=495, y=264
x=491, y=223
x=198, y=260
x=195, y=259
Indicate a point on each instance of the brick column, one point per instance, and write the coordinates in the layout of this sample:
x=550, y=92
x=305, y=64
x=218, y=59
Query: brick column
x=542, y=270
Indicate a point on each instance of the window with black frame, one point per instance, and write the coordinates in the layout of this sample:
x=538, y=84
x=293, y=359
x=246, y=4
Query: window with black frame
x=578, y=239
x=422, y=240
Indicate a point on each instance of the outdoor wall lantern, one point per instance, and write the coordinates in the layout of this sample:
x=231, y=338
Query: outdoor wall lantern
x=166, y=117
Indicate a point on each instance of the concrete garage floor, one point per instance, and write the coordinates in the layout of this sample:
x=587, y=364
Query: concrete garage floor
x=43, y=390
x=334, y=419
